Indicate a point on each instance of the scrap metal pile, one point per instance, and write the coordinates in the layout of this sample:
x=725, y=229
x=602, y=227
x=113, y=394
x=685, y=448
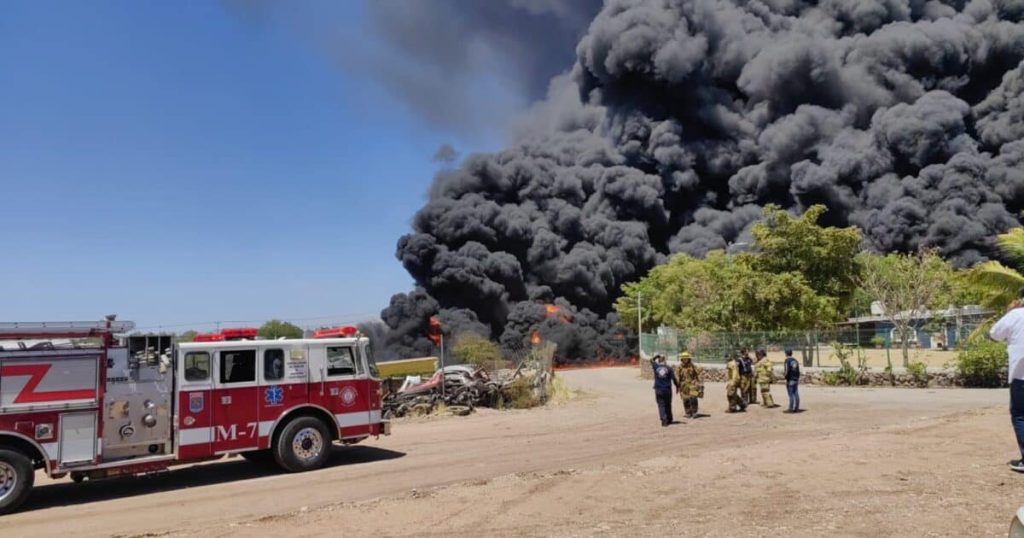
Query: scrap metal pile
x=466, y=388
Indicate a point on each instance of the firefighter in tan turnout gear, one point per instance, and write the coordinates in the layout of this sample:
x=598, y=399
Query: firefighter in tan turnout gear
x=690, y=386
x=732, y=384
x=763, y=374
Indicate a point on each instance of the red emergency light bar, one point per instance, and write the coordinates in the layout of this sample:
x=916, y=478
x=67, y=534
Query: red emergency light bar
x=227, y=334
x=238, y=334
x=336, y=332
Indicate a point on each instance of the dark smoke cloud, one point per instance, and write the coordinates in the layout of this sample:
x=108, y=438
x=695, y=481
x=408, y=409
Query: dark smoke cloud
x=403, y=333
x=682, y=119
x=463, y=65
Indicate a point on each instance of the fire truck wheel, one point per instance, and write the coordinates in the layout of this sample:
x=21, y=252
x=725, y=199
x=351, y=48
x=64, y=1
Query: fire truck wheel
x=303, y=445
x=16, y=478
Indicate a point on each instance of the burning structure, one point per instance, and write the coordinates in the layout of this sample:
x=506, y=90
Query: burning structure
x=680, y=119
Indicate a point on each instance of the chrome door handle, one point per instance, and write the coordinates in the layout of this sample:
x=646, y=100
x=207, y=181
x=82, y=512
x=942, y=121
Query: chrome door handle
x=225, y=400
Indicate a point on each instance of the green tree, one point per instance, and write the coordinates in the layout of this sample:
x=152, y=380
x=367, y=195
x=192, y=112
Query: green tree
x=276, y=328
x=723, y=292
x=471, y=348
x=824, y=256
x=998, y=284
x=187, y=336
x=906, y=286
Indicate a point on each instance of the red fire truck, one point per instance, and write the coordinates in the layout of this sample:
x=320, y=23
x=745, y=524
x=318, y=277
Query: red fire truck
x=75, y=398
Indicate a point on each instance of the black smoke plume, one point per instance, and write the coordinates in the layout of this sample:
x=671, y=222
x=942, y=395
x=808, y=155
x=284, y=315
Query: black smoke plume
x=681, y=119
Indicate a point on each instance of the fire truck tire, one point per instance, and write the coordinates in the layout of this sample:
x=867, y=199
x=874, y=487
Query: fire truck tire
x=303, y=445
x=16, y=479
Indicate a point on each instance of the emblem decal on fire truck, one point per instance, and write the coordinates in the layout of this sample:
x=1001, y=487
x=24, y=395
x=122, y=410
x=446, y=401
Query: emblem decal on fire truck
x=195, y=402
x=348, y=396
x=274, y=395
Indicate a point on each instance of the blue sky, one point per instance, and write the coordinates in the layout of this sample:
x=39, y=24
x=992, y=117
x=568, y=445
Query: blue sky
x=174, y=164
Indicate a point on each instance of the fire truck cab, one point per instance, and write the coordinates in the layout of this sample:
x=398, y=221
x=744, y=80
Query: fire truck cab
x=76, y=399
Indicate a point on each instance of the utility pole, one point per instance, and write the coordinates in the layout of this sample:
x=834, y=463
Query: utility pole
x=639, y=329
x=442, y=367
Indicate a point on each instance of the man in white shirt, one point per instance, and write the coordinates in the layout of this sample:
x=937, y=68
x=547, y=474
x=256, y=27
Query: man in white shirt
x=1010, y=329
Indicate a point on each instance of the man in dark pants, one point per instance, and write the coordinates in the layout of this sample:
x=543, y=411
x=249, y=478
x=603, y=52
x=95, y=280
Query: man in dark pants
x=664, y=378
x=747, y=386
x=792, y=382
x=1010, y=329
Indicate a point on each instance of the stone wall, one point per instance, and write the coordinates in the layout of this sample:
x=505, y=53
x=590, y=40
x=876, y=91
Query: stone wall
x=937, y=377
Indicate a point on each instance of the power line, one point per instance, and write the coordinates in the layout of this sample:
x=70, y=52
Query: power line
x=367, y=316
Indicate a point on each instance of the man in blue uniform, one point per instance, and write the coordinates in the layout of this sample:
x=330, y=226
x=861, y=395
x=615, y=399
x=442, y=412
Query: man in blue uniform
x=792, y=382
x=664, y=379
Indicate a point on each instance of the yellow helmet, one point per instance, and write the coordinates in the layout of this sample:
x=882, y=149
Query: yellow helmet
x=684, y=355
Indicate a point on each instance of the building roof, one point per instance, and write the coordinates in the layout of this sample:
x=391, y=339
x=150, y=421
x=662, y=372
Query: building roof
x=972, y=311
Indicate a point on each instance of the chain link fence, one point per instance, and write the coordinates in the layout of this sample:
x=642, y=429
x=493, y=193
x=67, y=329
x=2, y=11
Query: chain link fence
x=813, y=348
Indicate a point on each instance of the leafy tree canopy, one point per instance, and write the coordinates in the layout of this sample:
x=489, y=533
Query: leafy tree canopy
x=998, y=284
x=906, y=286
x=276, y=328
x=723, y=292
x=824, y=256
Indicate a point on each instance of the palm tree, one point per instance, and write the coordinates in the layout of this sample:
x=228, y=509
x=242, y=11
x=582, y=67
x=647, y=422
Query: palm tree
x=1001, y=284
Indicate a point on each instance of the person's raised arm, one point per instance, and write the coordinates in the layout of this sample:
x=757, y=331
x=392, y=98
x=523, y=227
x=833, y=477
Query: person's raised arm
x=1003, y=328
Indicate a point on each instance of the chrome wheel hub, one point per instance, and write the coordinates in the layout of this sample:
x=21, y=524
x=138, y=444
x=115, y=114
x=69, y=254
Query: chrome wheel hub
x=307, y=444
x=8, y=479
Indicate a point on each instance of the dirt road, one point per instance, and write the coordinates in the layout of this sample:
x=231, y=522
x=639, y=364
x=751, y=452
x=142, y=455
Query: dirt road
x=859, y=462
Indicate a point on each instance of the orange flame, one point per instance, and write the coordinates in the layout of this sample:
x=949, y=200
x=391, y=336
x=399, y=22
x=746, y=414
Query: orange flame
x=555, y=310
x=535, y=338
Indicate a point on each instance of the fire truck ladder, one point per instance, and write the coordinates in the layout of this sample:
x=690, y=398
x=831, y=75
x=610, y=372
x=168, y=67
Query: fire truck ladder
x=64, y=329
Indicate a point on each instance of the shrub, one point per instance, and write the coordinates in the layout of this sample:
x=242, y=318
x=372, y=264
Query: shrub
x=559, y=392
x=919, y=373
x=980, y=362
x=878, y=341
x=831, y=378
x=471, y=348
x=847, y=374
x=520, y=394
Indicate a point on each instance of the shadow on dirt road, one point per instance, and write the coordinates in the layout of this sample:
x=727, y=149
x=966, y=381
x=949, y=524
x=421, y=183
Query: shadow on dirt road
x=67, y=493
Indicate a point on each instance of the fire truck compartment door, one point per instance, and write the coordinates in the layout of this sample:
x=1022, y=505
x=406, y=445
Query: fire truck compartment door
x=77, y=438
x=56, y=379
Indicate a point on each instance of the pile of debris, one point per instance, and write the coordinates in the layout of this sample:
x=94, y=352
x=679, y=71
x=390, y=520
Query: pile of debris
x=465, y=387
x=462, y=388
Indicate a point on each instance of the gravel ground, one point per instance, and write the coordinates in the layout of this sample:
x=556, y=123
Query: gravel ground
x=859, y=462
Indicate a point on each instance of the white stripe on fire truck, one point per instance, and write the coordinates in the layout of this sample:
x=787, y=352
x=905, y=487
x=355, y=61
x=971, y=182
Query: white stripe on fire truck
x=199, y=436
x=360, y=418
x=195, y=436
x=50, y=449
